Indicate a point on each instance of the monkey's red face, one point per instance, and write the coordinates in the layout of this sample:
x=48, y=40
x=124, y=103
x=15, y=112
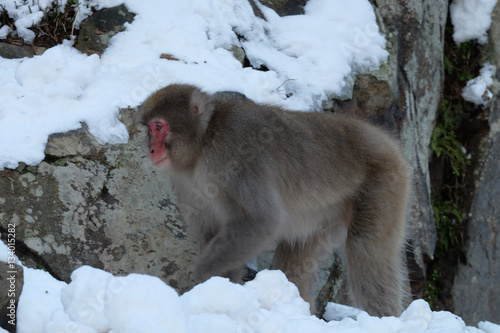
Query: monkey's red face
x=158, y=131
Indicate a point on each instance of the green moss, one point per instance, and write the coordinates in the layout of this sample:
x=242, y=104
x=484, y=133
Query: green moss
x=29, y=261
x=449, y=223
x=432, y=291
x=444, y=139
x=40, y=266
x=458, y=60
x=61, y=162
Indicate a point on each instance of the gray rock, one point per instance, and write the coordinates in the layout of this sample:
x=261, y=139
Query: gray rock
x=238, y=53
x=11, y=51
x=11, y=286
x=230, y=96
x=414, y=30
x=404, y=97
x=286, y=7
x=97, y=30
x=103, y=206
x=476, y=293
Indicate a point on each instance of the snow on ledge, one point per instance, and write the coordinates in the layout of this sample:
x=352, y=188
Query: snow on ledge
x=310, y=57
x=476, y=91
x=471, y=19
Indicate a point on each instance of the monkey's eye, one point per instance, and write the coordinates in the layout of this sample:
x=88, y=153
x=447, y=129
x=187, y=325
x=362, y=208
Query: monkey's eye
x=158, y=126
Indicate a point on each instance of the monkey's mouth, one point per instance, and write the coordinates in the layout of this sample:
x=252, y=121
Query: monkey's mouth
x=161, y=163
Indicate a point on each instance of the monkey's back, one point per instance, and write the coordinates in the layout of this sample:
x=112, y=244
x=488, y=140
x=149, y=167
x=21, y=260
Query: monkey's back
x=316, y=160
x=309, y=142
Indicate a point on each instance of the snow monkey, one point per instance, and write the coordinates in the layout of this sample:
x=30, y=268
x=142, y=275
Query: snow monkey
x=248, y=176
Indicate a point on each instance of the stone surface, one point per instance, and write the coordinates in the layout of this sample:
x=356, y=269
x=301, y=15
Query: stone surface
x=11, y=286
x=103, y=206
x=97, y=30
x=476, y=292
x=11, y=51
x=286, y=7
x=238, y=53
x=415, y=31
x=403, y=96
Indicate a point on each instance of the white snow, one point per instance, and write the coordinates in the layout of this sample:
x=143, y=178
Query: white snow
x=27, y=14
x=471, y=19
x=96, y=301
x=310, y=57
x=476, y=91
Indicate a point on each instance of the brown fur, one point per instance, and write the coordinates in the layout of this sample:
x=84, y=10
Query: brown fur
x=248, y=175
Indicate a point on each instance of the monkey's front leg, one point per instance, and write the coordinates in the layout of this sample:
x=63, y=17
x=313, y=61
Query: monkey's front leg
x=232, y=246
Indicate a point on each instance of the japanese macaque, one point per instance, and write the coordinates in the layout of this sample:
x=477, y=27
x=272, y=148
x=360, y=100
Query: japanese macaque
x=249, y=176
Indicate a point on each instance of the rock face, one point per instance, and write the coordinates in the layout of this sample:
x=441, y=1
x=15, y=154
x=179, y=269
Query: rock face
x=476, y=292
x=285, y=7
x=11, y=285
x=404, y=97
x=415, y=31
x=103, y=206
x=97, y=30
x=10, y=51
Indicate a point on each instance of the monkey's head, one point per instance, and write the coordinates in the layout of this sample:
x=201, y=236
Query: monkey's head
x=176, y=117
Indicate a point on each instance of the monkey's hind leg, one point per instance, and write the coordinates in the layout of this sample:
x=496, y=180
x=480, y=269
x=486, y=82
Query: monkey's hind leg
x=299, y=261
x=374, y=252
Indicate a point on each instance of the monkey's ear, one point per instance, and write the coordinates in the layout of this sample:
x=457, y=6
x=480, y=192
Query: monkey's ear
x=199, y=101
x=197, y=109
x=202, y=109
x=202, y=105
